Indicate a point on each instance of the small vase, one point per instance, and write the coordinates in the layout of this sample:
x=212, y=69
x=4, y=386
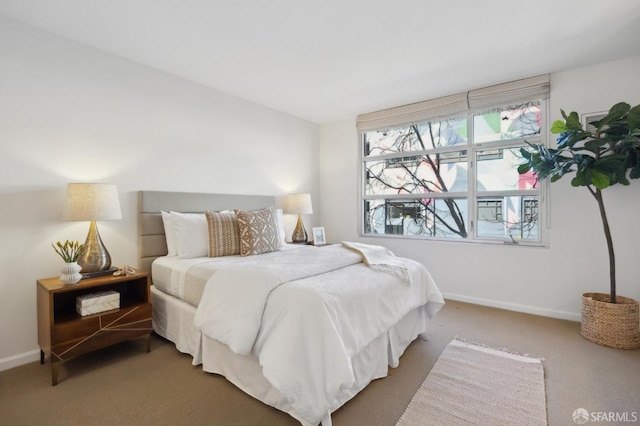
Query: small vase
x=71, y=273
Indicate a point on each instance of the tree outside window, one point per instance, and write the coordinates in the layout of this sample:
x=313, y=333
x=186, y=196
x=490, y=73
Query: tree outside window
x=455, y=177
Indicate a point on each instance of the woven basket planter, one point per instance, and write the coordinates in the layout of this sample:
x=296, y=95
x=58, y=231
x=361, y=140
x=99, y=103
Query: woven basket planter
x=616, y=325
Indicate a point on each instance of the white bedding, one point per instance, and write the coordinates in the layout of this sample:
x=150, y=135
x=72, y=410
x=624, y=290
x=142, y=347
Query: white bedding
x=186, y=278
x=173, y=319
x=313, y=311
x=234, y=298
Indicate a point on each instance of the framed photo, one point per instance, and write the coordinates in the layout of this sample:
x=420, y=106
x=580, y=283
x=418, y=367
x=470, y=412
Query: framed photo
x=592, y=116
x=319, y=237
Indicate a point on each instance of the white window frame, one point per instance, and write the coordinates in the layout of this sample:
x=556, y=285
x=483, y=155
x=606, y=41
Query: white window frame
x=407, y=115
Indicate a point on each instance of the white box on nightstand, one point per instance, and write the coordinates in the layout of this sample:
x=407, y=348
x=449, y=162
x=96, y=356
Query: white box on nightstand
x=94, y=303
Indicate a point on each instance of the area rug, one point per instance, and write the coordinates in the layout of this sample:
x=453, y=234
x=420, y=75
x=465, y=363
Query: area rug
x=475, y=385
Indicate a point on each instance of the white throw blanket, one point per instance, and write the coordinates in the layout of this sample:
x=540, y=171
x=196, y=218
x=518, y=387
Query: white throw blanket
x=380, y=258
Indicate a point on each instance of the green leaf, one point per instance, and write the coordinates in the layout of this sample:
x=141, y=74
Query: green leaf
x=594, y=145
x=634, y=118
x=69, y=251
x=558, y=126
x=524, y=168
x=573, y=122
x=616, y=112
x=570, y=138
x=611, y=163
x=566, y=168
x=579, y=179
x=598, y=179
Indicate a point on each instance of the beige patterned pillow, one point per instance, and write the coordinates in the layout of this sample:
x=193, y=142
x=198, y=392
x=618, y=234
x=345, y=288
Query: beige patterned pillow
x=224, y=234
x=258, y=232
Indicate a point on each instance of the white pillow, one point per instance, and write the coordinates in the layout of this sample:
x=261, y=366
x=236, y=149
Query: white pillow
x=169, y=234
x=280, y=225
x=191, y=234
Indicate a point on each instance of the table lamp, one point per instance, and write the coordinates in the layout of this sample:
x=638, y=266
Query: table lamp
x=92, y=202
x=298, y=204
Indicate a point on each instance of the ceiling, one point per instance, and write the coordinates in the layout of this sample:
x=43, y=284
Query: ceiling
x=327, y=60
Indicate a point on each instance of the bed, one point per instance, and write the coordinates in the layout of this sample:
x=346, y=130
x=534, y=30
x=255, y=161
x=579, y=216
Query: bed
x=300, y=328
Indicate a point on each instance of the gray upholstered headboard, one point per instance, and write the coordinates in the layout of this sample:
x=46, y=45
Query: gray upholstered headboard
x=151, y=239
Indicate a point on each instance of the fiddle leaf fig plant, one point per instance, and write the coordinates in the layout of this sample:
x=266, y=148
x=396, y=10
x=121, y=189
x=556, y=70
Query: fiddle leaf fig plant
x=597, y=159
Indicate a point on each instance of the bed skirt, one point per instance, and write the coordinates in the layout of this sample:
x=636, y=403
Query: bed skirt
x=173, y=320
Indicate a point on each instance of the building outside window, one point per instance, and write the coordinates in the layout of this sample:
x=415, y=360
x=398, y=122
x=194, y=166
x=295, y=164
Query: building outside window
x=443, y=169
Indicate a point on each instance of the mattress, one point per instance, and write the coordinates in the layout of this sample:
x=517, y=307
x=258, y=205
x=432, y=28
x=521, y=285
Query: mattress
x=186, y=278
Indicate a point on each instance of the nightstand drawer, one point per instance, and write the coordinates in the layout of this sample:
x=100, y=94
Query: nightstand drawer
x=69, y=349
x=119, y=319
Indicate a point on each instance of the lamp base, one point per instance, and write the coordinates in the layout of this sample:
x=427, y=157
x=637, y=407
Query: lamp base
x=299, y=233
x=94, y=257
x=109, y=271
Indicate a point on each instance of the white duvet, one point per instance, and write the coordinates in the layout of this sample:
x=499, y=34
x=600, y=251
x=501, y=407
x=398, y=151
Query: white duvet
x=305, y=313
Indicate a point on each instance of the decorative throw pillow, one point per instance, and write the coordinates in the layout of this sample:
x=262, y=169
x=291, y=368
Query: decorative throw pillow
x=224, y=234
x=258, y=232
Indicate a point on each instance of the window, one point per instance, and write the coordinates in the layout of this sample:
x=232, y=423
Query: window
x=447, y=168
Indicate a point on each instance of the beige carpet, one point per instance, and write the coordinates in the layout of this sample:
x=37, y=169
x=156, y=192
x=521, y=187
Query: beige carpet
x=476, y=385
x=124, y=385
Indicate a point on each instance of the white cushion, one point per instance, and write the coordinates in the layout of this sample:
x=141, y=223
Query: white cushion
x=280, y=224
x=191, y=234
x=169, y=234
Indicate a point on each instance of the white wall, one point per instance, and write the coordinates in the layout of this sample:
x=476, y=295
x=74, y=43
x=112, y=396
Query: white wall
x=546, y=281
x=69, y=113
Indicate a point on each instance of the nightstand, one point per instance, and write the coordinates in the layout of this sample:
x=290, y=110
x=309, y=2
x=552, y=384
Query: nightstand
x=63, y=334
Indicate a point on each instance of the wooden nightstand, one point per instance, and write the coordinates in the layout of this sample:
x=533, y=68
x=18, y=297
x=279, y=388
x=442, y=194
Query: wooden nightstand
x=63, y=334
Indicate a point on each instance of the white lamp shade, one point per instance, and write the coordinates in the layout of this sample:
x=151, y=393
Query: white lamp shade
x=92, y=201
x=298, y=204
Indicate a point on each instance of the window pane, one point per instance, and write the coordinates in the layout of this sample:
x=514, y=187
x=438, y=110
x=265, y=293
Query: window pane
x=418, y=137
x=445, y=178
x=426, y=217
x=506, y=217
x=444, y=172
x=497, y=170
x=510, y=122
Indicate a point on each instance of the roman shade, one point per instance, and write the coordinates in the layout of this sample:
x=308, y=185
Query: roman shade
x=461, y=103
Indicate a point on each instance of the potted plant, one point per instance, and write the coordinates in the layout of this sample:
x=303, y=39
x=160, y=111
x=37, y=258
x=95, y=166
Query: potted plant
x=69, y=252
x=598, y=159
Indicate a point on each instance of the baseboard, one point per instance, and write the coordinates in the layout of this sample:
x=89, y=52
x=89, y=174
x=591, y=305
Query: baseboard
x=571, y=316
x=20, y=359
